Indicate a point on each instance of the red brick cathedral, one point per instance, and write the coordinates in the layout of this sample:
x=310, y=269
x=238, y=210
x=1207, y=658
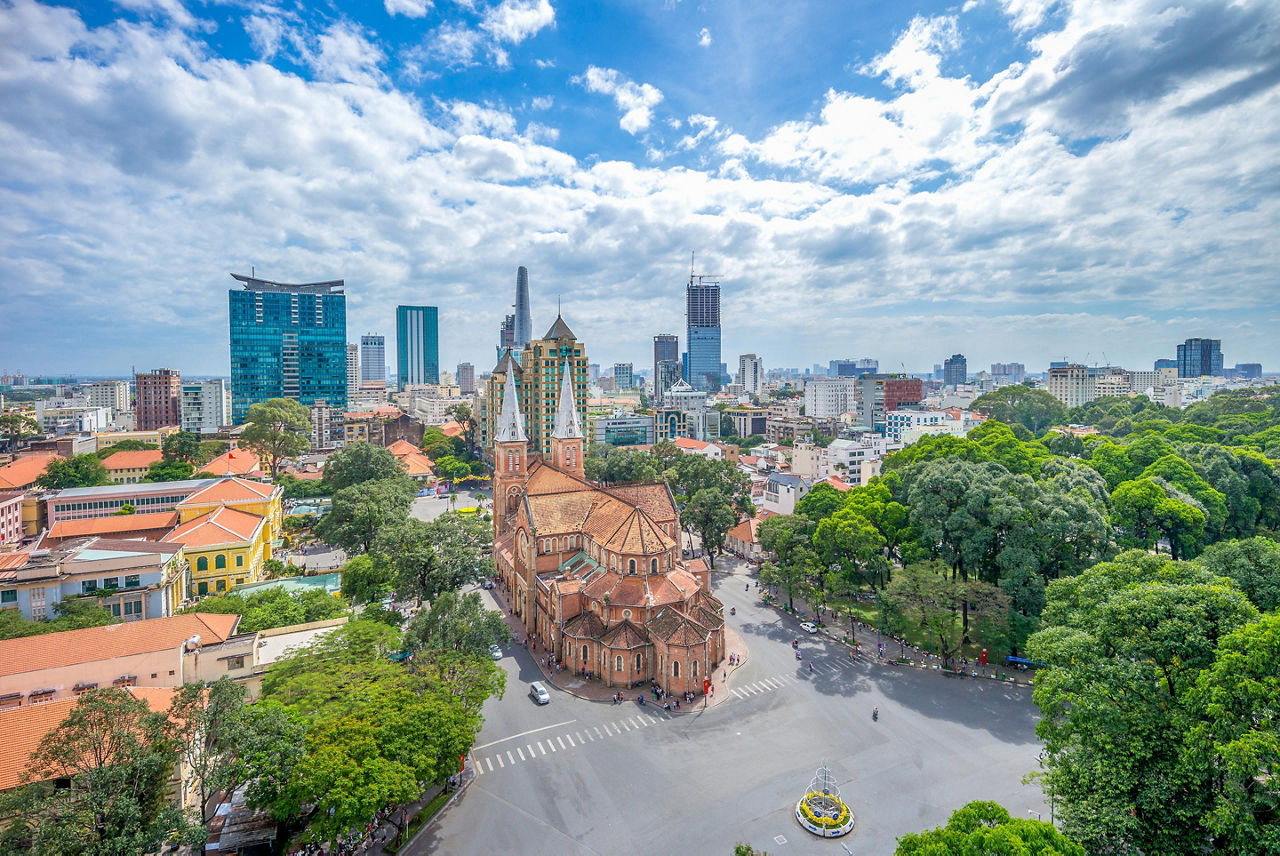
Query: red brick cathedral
x=595, y=572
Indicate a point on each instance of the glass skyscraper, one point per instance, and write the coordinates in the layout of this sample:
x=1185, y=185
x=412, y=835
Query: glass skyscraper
x=287, y=341
x=702, y=314
x=417, y=345
x=1200, y=358
x=373, y=361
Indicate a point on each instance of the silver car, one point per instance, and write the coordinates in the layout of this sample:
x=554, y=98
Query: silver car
x=539, y=693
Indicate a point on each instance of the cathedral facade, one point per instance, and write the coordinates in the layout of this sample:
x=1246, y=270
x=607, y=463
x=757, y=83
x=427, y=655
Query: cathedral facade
x=595, y=572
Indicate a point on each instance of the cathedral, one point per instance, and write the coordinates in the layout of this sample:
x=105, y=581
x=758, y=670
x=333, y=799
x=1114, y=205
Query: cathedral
x=595, y=572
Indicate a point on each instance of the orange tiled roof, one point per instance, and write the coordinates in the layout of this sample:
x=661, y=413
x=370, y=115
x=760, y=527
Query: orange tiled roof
x=675, y=628
x=687, y=443
x=638, y=534
x=584, y=625
x=402, y=447
x=230, y=490
x=653, y=499
x=237, y=462
x=624, y=634
x=417, y=464
x=223, y=525
x=748, y=530
x=69, y=647
x=24, y=471
x=114, y=524
x=139, y=459
x=451, y=429
x=15, y=559
x=25, y=727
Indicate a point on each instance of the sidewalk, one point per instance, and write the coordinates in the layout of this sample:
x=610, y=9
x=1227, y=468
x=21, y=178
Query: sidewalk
x=596, y=690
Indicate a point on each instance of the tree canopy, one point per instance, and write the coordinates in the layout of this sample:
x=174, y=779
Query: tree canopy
x=987, y=829
x=276, y=430
x=359, y=462
x=78, y=471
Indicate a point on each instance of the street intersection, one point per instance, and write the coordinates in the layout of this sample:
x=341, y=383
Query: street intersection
x=584, y=777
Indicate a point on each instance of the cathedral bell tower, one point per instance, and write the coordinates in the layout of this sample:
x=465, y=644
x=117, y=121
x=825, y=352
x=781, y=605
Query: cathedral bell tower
x=510, y=456
x=566, y=440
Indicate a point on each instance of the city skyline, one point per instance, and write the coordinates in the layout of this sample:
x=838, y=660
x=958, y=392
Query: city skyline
x=985, y=179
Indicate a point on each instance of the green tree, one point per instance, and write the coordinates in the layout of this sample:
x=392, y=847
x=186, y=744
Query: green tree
x=439, y=555
x=117, y=756
x=124, y=446
x=784, y=535
x=1173, y=470
x=368, y=578
x=785, y=576
x=821, y=502
x=77, y=471
x=930, y=597
x=208, y=720
x=461, y=413
x=166, y=471
x=359, y=462
x=15, y=426
x=710, y=513
x=451, y=468
x=1112, y=463
x=1035, y=409
x=1147, y=511
x=1253, y=564
x=436, y=445
x=360, y=511
x=210, y=449
x=611, y=465
x=457, y=623
x=848, y=539
x=276, y=430
x=892, y=519
x=1125, y=642
x=182, y=446
x=274, y=607
x=1237, y=738
x=987, y=829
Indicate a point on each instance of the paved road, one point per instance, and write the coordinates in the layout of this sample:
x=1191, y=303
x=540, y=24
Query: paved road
x=576, y=777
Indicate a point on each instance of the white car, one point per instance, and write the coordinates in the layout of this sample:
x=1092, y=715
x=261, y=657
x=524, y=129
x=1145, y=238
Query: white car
x=539, y=693
x=808, y=627
x=495, y=652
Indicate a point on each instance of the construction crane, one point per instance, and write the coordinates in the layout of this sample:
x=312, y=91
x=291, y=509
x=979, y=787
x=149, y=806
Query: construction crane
x=698, y=278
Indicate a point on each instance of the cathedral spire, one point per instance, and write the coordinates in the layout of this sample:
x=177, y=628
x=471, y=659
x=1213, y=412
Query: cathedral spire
x=568, y=426
x=510, y=422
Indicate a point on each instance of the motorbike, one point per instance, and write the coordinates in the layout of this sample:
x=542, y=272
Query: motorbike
x=733, y=610
x=795, y=643
x=875, y=714
x=799, y=656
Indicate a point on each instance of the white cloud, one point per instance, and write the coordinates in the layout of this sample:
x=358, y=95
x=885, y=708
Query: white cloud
x=408, y=8
x=172, y=9
x=635, y=100
x=513, y=21
x=704, y=37
x=133, y=183
x=542, y=102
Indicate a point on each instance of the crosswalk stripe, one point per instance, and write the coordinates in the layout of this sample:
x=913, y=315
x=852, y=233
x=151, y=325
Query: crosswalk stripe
x=479, y=768
x=500, y=764
x=520, y=752
x=529, y=746
x=551, y=745
x=542, y=748
x=643, y=720
x=489, y=761
x=736, y=693
x=598, y=734
x=569, y=737
x=579, y=733
x=509, y=758
x=560, y=740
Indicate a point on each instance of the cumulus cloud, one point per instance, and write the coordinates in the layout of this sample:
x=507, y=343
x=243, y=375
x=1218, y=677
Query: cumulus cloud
x=459, y=44
x=408, y=8
x=635, y=100
x=704, y=38
x=513, y=21
x=938, y=213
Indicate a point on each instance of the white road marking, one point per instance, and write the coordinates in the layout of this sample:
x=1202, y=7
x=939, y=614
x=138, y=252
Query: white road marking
x=560, y=740
x=579, y=735
x=511, y=759
x=542, y=748
x=489, y=761
x=479, y=768
x=523, y=733
x=598, y=734
x=520, y=752
x=552, y=746
x=569, y=737
x=738, y=694
x=500, y=764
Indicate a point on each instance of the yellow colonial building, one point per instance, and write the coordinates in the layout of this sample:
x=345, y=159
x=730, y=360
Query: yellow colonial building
x=229, y=530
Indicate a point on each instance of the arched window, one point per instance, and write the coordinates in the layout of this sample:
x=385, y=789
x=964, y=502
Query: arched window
x=695, y=668
x=631, y=566
x=617, y=663
x=220, y=561
x=653, y=565
x=675, y=668
x=202, y=563
x=638, y=662
x=584, y=653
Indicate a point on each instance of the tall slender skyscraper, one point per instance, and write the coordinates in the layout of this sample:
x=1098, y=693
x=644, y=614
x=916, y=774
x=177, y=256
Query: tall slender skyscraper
x=417, y=345
x=702, y=315
x=524, y=321
x=666, y=349
x=373, y=361
x=287, y=341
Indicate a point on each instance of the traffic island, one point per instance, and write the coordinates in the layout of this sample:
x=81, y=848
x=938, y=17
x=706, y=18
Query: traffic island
x=821, y=811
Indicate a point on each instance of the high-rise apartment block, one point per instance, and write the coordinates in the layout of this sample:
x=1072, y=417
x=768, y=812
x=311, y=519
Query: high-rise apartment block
x=417, y=346
x=666, y=349
x=537, y=374
x=373, y=361
x=109, y=393
x=466, y=377
x=750, y=373
x=829, y=398
x=702, y=316
x=353, y=370
x=206, y=406
x=1200, y=358
x=852, y=368
x=287, y=341
x=1073, y=384
x=878, y=394
x=624, y=376
x=507, y=334
x=1009, y=372
x=955, y=370
x=158, y=399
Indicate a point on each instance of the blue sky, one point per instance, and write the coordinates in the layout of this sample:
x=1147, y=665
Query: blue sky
x=1011, y=179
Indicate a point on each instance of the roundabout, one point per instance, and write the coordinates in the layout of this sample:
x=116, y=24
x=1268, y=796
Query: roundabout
x=821, y=811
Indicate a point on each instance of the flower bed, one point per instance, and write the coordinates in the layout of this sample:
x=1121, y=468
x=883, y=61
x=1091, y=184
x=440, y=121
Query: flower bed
x=835, y=821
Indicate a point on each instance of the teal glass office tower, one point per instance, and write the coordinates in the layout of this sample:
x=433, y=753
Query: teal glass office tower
x=287, y=341
x=417, y=345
